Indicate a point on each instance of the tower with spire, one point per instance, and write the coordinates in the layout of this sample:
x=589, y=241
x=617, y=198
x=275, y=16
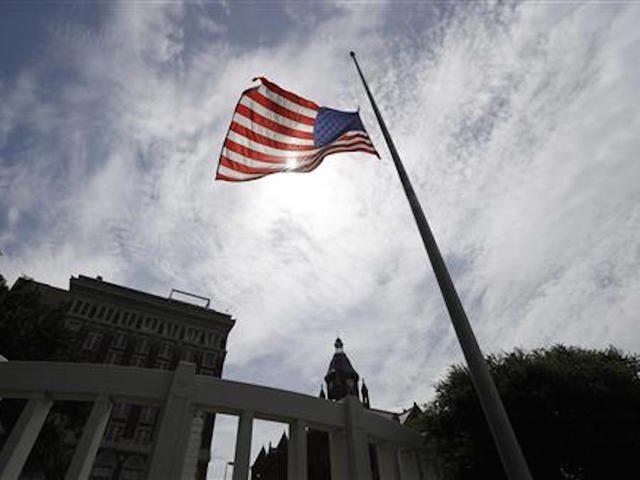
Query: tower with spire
x=341, y=378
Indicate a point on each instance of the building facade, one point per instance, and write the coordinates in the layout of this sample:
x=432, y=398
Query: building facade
x=118, y=325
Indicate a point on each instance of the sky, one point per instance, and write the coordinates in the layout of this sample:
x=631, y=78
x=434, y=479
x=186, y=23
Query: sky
x=517, y=122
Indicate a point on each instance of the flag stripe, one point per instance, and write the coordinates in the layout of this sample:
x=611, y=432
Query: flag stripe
x=227, y=172
x=272, y=124
x=266, y=140
x=246, y=139
x=265, y=132
x=288, y=95
x=286, y=103
x=248, y=149
x=256, y=162
x=259, y=98
x=244, y=168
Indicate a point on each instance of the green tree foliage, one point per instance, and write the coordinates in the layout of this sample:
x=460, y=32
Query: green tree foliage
x=32, y=329
x=576, y=413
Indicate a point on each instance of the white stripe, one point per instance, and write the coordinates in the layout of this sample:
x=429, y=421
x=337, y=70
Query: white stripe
x=265, y=112
x=227, y=172
x=292, y=165
x=287, y=154
x=250, y=162
x=258, y=147
x=286, y=103
x=259, y=129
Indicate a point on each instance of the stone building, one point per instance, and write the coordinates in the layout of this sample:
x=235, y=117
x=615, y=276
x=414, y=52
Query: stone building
x=119, y=325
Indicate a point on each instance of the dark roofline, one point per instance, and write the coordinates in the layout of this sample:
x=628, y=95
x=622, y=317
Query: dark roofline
x=178, y=306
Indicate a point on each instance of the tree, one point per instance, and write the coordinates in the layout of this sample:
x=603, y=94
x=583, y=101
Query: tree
x=576, y=413
x=33, y=329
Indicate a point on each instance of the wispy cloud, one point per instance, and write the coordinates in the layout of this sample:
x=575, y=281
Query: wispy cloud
x=517, y=124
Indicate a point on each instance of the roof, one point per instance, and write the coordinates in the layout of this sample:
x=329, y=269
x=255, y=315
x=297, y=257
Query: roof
x=340, y=363
x=98, y=286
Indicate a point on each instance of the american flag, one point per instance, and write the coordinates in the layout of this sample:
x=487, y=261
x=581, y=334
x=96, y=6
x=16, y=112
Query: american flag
x=274, y=130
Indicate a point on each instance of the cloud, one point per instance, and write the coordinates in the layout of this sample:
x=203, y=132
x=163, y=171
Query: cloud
x=517, y=124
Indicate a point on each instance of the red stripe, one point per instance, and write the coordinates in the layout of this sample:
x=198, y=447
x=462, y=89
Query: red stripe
x=220, y=176
x=279, y=109
x=330, y=148
x=239, y=167
x=269, y=142
x=252, y=154
x=355, y=148
x=270, y=124
x=264, y=157
x=242, y=168
x=288, y=95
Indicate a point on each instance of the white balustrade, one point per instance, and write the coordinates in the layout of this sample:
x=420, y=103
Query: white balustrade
x=182, y=395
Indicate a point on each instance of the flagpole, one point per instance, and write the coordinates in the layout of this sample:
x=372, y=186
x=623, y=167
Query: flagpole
x=504, y=437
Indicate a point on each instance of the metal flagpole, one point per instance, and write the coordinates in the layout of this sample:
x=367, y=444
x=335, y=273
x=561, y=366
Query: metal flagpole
x=505, y=439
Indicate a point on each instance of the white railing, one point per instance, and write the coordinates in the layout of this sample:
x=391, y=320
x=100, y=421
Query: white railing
x=182, y=395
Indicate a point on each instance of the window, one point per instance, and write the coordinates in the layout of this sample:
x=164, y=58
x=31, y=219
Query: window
x=162, y=364
x=209, y=359
x=147, y=414
x=109, y=313
x=85, y=309
x=161, y=329
x=116, y=317
x=165, y=350
x=142, y=346
x=143, y=435
x=114, y=357
x=186, y=355
x=92, y=341
x=101, y=312
x=139, y=322
x=139, y=362
x=77, y=306
x=92, y=312
x=119, y=341
x=114, y=432
x=120, y=410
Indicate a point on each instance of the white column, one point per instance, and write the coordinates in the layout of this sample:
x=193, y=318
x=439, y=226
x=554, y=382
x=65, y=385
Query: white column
x=243, y=446
x=171, y=445
x=338, y=455
x=387, y=461
x=297, y=454
x=192, y=453
x=92, y=433
x=23, y=436
x=409, y=466
x=357, y=441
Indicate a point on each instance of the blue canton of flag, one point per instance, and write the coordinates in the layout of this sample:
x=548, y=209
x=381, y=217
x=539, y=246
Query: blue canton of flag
x=332, y=124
